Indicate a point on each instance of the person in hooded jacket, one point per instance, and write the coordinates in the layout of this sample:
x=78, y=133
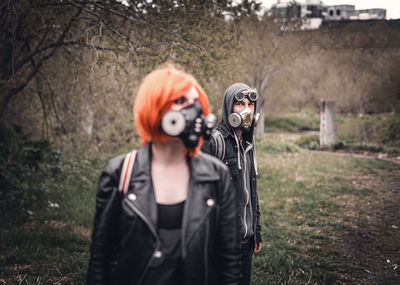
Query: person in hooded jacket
x=176, y=223
x=233, y=143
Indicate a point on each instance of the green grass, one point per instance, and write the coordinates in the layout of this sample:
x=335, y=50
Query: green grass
x=309, y=208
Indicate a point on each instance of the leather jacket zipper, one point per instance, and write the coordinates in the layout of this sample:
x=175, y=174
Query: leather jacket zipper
x=153, y=231
x=184, y=218
x=206, y=252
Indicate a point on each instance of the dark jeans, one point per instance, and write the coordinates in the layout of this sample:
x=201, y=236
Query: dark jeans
x=247, y=258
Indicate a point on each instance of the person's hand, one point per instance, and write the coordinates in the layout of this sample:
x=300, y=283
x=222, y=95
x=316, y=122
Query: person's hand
x=257, y=248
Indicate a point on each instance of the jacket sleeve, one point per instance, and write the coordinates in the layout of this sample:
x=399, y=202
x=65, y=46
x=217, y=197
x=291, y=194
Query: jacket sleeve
x=258, y=237
x=228, y=241
x=258, y=224
x=105, y=230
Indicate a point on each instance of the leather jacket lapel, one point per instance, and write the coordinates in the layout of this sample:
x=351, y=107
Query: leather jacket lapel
x=141, y=193
x=199, y=202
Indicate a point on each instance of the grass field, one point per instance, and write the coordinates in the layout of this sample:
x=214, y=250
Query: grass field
x=326, y=220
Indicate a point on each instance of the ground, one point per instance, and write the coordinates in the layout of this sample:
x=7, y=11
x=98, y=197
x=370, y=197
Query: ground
x=374, y=244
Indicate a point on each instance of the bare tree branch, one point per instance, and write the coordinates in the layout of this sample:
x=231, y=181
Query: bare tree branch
x=11, y=93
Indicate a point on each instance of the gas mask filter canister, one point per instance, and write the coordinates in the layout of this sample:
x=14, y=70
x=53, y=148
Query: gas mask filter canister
x=189, y=124
x=243, y=119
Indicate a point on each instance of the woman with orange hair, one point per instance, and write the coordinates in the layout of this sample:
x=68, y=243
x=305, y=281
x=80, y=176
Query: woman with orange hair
x=166, y=214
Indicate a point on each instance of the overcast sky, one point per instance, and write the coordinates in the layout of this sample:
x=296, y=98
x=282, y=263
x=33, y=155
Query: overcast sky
x=392, y=6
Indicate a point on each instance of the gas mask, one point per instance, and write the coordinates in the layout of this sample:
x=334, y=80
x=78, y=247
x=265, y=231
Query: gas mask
x=244, y=119
x=189, y=124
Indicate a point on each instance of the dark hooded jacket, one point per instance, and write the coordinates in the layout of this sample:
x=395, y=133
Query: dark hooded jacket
x=235, y=161
x=125, y=238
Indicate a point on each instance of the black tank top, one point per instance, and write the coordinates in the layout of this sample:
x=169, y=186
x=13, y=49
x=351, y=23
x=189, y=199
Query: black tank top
x=170, y=216
x=169, y=272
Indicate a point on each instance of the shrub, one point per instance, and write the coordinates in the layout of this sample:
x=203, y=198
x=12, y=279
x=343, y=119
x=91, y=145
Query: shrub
x=279, y=147
x=392, y=134
x=309, y=142
x=291, y=123
x=25, y=166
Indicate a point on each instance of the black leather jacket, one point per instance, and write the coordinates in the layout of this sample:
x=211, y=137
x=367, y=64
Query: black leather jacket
x=125, y=240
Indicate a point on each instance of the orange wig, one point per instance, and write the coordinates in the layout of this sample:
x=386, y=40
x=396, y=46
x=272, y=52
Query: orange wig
x=155, y=97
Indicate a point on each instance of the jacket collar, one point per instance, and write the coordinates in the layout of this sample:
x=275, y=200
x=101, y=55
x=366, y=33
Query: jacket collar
x=225, y=130
x=199, y=170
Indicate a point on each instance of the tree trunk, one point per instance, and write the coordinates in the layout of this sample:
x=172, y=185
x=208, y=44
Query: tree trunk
x=259, y=131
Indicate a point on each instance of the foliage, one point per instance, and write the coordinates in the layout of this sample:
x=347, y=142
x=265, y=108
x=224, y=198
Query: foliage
x=47, y=202
x=273, y=145
x=392, y=134
x=33, y=32
x=368, y=129
x=309, y=142
x=27, y=169
x=292, y=122
x=356, y=147
x=69, y=67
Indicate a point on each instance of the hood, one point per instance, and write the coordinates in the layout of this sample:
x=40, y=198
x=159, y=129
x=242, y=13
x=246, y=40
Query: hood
x=227, y=106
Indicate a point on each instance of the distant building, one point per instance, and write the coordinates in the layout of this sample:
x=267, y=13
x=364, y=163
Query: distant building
x=340, y=12
x=299, y=9
x=370, y=14
x=315, y=12
x=349, y=12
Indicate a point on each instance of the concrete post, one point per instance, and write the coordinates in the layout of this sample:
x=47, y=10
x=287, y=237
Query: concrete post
x=327, y=132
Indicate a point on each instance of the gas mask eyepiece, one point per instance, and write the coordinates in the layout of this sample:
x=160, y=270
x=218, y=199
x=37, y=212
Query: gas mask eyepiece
x=189, y=124
x=243, y=119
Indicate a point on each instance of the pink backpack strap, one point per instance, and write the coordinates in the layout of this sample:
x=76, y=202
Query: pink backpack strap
x=126, y=172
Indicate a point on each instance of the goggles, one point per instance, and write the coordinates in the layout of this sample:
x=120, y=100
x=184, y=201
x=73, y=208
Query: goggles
x=250, y=94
